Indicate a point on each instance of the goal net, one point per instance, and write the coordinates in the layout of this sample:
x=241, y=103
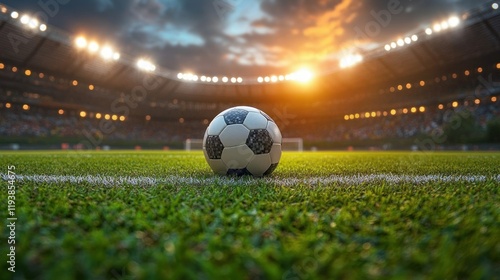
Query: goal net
x=288, y=144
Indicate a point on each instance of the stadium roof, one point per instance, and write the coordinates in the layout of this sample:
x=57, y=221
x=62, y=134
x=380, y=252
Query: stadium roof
x=54, y=52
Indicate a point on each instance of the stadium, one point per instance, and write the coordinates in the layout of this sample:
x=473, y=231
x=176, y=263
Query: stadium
x=389, y=166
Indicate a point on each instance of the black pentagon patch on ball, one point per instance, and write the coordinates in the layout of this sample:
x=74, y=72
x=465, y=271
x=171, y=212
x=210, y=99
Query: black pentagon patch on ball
x=214, y=147
x=267, y=116
x=235, y=116
x=238, y=172
x=271, y=169
x=259, y=141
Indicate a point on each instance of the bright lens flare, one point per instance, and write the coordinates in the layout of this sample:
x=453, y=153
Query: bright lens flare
x=81, y=42
x=351, y=60
x=303, y=75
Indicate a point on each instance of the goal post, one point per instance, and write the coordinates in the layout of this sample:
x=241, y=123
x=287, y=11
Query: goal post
x=288, y=144
x=193, y=144
x=292, y=144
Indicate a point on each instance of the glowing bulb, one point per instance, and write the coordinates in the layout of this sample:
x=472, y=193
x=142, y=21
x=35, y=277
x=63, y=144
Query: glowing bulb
x=106, y=52
x=437, y=27
x=81, y=42
x=453, y=21
x=93, y=47
x=25, y=19
x=444, y=25
x=33, y=23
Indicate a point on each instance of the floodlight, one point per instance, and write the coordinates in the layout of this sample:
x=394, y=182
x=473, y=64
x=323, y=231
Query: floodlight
x=33, y=23
x=93, y=47
x=350, y=60
x=444, y=25
x=145, y=65
x=437, y=27
x=25, y=19
x=81, y=42
x=303, y=75
x=453, y=21
x=106, y=52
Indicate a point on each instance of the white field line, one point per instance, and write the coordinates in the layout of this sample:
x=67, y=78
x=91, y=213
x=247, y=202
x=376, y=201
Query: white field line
x=102, y=180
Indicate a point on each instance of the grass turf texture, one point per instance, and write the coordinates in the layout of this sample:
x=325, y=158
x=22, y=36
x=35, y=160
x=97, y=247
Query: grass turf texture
x=261, y=229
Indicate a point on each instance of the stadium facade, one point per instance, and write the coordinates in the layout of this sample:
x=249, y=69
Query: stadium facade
x=57, y=87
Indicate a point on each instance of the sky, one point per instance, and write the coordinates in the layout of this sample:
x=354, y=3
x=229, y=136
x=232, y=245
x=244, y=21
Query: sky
x=243, y=37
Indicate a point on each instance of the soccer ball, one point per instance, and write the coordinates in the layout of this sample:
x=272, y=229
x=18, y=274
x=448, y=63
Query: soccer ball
x=242, y=141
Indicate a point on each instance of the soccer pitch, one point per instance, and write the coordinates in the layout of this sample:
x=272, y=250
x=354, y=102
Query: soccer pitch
x=325, y=215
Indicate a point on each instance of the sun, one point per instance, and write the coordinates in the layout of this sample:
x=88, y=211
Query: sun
x=303, y=75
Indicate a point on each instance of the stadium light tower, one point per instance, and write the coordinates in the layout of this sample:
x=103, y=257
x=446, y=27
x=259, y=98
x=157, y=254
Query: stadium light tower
x=145, y=65
x=353, y=59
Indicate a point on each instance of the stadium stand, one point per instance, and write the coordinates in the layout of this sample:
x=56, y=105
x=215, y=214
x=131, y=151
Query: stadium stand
x=51, y=92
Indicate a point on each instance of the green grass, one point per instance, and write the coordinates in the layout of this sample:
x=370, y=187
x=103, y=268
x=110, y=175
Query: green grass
x=260, y=228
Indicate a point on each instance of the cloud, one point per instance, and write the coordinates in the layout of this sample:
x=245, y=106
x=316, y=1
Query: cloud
x=103, y=5
x=300, y=32
x=252, y=38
